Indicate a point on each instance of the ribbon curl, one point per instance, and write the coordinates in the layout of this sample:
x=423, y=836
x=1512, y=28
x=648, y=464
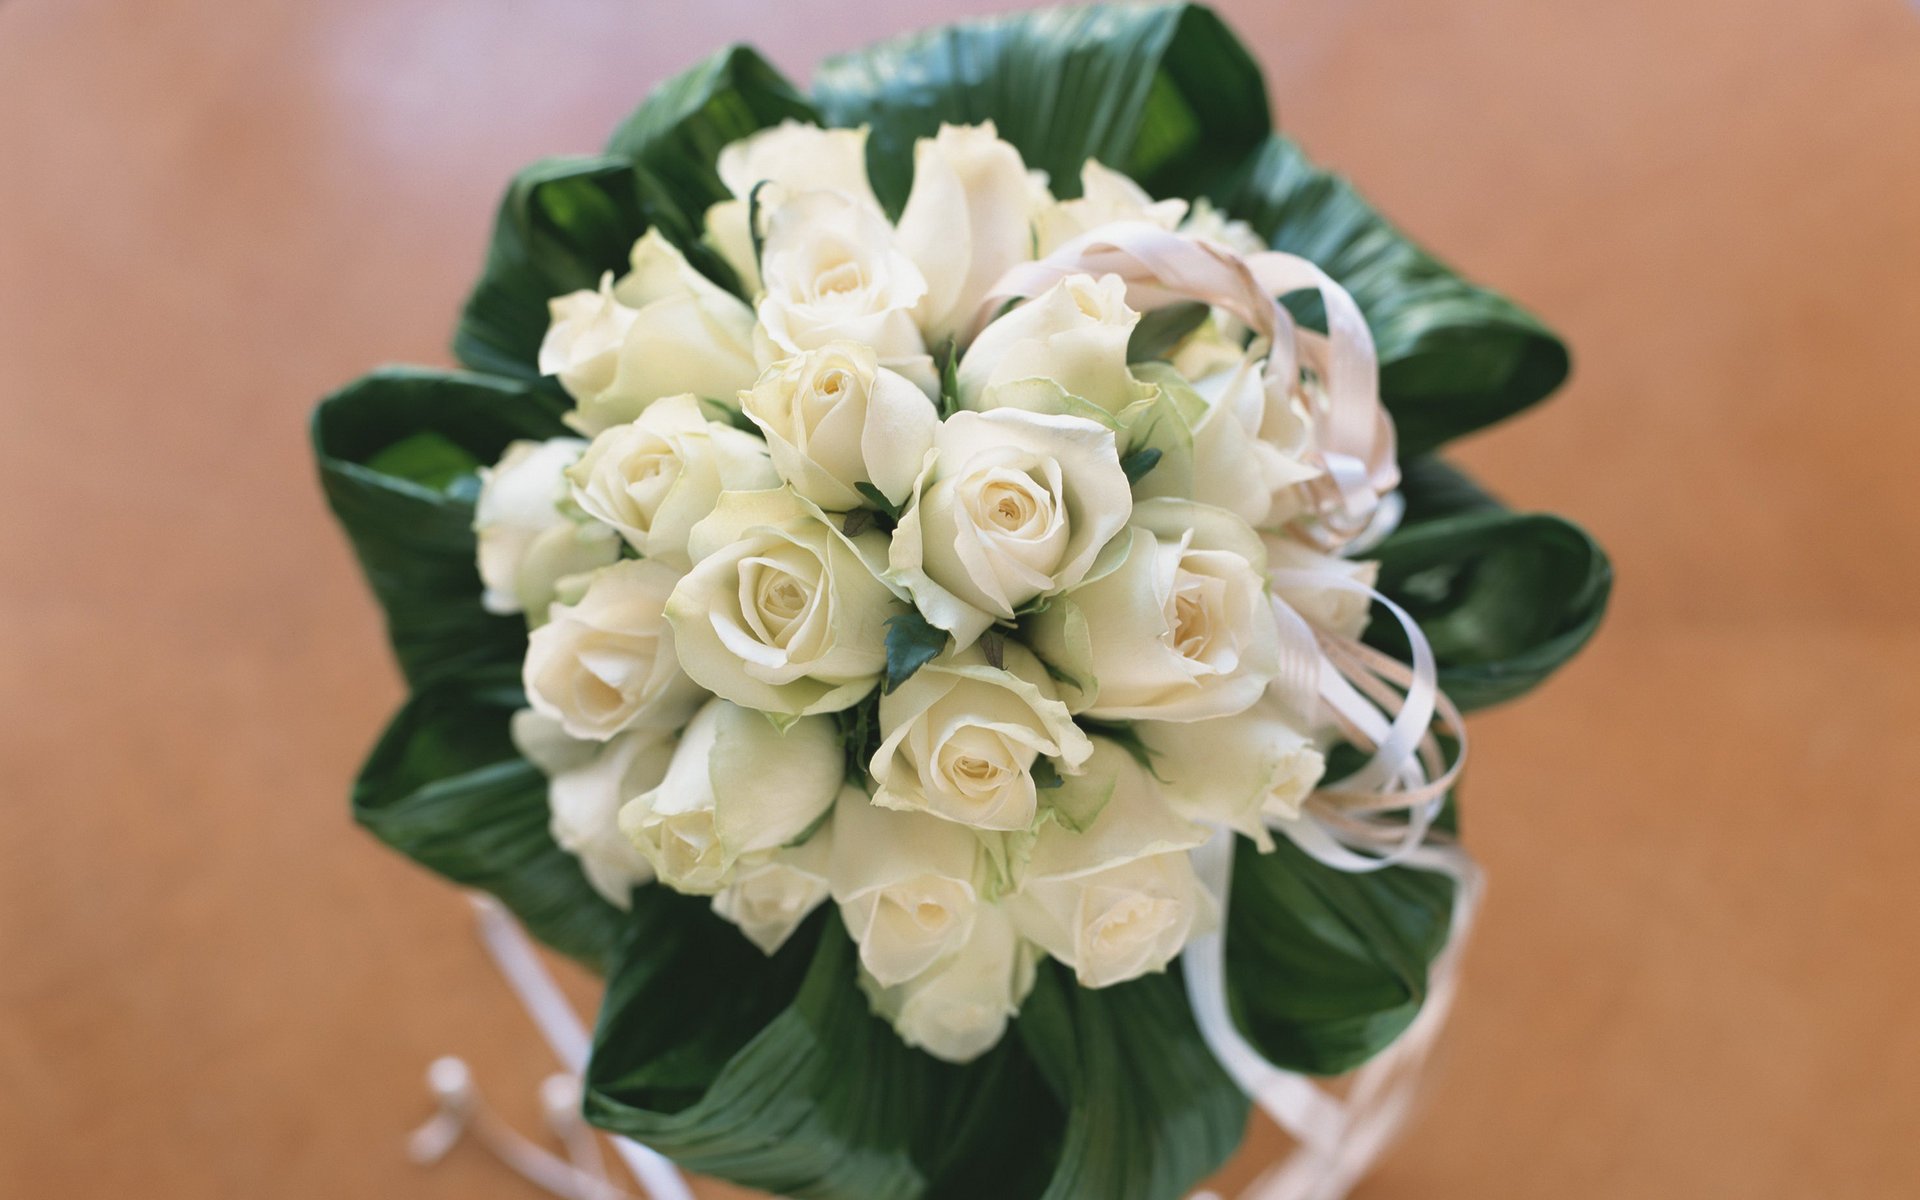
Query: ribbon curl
x=1382, y=814
x=1356, y=443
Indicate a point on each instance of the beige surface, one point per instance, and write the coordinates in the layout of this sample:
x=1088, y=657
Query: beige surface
x=1698, y=973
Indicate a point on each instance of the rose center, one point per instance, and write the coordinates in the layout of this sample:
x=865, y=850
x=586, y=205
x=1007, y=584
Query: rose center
x=829, y=389
x=1132, y=921
x=781, y=598
x=1013, y=509
x=1192, y=626
x=841, y=279
x=1087, y=301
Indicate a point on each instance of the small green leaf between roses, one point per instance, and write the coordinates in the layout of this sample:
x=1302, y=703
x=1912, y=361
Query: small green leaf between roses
x=874, y=496
x=1159, y=331
x=1138, y=462
x=912, y=643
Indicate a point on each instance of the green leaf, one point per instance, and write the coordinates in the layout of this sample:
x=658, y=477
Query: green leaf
x=859, y=726
x=1453, y=356
x=874, y=496
x=678, y=131
x=1433, y=488
x=1137, y=463
x=1046, y=776
x=727, y=414
x=563, y=224
x=772, y=1073
x=385, y=445
x=949, y=379
x=1504, y=598
x=1124, y=735
x=1162, y=329
x=1149, y=1110
x=1325, y=968
x=1163, y=92
x=428, y=459
x=912, y=643
x=445, y=787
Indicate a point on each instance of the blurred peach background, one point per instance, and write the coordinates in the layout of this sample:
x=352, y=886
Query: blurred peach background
x=1697, y=974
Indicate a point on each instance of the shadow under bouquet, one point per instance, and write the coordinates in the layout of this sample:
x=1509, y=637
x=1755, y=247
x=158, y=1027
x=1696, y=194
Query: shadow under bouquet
x=939, y=590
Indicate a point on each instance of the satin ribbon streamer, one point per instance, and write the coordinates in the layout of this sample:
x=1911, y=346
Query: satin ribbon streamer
x=460, y=1107
x=1381, y=815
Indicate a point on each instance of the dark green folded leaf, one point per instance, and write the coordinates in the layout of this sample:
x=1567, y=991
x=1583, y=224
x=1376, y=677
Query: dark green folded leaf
x=396, y=453
x=771, y=1072
x=1505, y=598
x=1434, y=488
x=445, y=787
x=1163, y=92
x=1150, y=1111
x=1454, y=357
x=680, y=128
x=564, y=223
x=1325, y=968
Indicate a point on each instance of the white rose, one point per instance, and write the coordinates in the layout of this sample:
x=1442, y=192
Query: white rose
x=585, y=330
x=968, y=219
x=545, y=743
x=1249, y=449
x=834, y=417
x=738, y=788
x=1106, y=196
x=1237, y=770
x=1208, y=350
x=1339, y=606
x=958, y=1009
x=526, y=542
x=1210, y=223
x=961, y=737
x=1012, y=506
x=655, y=478
x=1120, y=899
x=678, y=332
x=782, y=611
x=607, y=663
x=769, y=899
x=1075, y=333
x=907, y=885
x=794, y=157
x=832, y=272
x=584, y=798
x=1181, y=630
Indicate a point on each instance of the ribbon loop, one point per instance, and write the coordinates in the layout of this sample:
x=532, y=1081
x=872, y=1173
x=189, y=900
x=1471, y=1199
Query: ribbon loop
x=1355, y=443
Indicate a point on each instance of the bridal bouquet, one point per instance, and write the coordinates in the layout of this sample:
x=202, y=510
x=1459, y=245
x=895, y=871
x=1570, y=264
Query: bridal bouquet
x=938, y=589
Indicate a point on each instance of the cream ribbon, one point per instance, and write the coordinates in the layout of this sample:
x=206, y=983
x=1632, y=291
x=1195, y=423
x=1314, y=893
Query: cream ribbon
x=1355, y=436
x=1381, y=815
